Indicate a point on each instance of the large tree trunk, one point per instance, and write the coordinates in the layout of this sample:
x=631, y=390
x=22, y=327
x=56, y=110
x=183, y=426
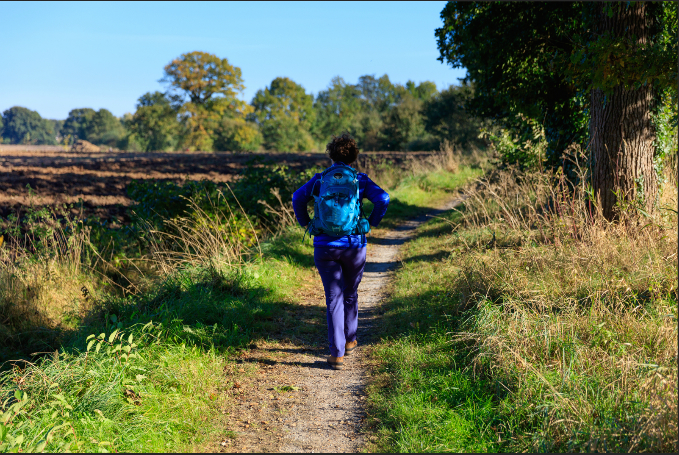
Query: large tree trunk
x=620, y=127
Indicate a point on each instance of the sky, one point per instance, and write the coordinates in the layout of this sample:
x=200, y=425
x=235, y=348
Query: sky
x=58, y=56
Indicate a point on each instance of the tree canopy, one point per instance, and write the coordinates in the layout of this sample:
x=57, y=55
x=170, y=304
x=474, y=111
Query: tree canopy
x=589, y=73
x=24, y=126
x=204, y=89
x=540, y=60
x=201, y=110
x=285, y=114
x=154, y=123
x=99, y=127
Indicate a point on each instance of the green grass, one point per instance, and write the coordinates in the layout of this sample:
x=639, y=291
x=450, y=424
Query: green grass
x=424, y=395
x=498, y=340
x=167, y=396
x=416, y=195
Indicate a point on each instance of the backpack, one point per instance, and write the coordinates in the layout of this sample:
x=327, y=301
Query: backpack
x=338, y=209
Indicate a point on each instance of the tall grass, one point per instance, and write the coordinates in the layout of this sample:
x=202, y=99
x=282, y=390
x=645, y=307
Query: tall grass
x=46, y=280
x=217, y=236
x=151, y=379
x=564, y=323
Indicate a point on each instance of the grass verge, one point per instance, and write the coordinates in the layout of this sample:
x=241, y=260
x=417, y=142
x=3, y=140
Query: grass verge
x=522, y=323
x=155, y=383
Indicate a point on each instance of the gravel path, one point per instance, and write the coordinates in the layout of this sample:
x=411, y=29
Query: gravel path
x=326, y=411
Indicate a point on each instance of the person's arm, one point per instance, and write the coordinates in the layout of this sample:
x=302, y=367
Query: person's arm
x=301, y=198
x=379, y=198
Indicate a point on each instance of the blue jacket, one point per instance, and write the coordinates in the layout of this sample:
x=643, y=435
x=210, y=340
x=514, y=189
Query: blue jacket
x=366, y=189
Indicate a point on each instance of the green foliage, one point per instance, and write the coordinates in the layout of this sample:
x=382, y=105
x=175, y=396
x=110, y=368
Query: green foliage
x=237, y=135
x=204, y=92
x=203, y=77
x=98, y=127
x=154, y=123
x=78, y=122
x=379, y=114
x=508, y=50
x=446, y=117
x=525, y=147
x=158, y=201
x=540, y=60
x=423, y=92
x=285, y=114
x=337, y=110
x=272, y=185
x=665, y=121
x=105, y=129
x=605, y=61
x=23, y=126
x=403, y=123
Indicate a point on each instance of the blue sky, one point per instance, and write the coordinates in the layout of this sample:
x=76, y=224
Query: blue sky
x=60, y=56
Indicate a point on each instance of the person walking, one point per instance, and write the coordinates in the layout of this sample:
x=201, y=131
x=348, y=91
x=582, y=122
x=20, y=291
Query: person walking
x=340, y=246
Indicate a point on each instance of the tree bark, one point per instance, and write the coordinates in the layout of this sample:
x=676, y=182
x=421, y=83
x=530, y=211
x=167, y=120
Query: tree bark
x=621, y=131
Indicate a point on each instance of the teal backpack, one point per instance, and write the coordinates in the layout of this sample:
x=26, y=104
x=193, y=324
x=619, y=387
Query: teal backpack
x=338, y=209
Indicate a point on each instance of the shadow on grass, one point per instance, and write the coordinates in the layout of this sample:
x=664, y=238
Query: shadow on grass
x=198, y=306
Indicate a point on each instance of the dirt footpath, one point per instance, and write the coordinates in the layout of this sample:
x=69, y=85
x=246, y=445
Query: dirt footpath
x=293, y=401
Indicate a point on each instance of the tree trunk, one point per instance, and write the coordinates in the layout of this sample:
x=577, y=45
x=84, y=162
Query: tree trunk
x=620, y=127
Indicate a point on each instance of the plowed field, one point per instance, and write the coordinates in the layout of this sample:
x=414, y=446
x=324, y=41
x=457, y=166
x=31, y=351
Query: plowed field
x=48, y=177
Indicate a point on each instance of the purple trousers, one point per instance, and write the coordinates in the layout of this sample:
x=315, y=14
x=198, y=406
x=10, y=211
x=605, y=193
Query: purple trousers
x=341, y=270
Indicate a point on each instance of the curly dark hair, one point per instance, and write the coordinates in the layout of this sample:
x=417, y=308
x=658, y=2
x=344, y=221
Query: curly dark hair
x=342, y=148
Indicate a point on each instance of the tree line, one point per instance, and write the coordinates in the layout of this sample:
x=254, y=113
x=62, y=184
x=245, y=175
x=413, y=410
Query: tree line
x=200, y=110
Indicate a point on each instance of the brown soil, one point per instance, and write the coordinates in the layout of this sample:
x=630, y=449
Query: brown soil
x=100, y=179
x=283, y=396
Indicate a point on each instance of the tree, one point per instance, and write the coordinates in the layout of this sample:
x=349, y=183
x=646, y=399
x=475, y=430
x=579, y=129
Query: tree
x=554, y=63
x=98, y=127
x=105, y=129
x=403, y=123
x=205, y=89
x=78, y=123
x=24, y=126
x=154, y=123
x=237, y=135
x=337, y=109
x=56, y=126
x=285, y=114
x=508, y=49
x=423, y=91
x=621, y=133
x=626, y=63
x=378, y=94
x=400, y=113
x=446, y=117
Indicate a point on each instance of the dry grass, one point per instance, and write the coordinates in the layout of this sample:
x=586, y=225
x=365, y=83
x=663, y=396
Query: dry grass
x=216, y=238
x=448, y=159
x=577, y=313
x=44, y=283
x=560, y=327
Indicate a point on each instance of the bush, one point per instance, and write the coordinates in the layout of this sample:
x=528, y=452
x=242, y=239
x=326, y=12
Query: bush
x=525, y=146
